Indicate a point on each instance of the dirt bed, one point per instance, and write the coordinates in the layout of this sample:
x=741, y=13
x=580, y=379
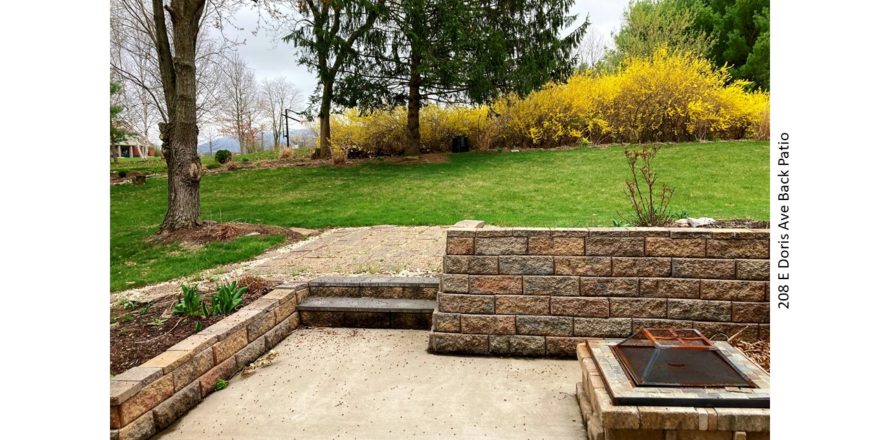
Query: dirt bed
x=141, y=331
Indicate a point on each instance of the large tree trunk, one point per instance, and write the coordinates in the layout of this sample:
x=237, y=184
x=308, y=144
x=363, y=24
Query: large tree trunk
x=414, y=103
x=184, y=166
x=324, y=118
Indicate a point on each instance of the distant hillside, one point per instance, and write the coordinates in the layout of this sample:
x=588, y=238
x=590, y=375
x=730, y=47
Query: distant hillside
x=301, y=135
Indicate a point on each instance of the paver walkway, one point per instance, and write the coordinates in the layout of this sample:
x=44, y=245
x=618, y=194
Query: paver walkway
x=386, y=250
x=382, y=384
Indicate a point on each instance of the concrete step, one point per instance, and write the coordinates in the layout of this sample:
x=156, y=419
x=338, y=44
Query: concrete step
x=414, y=288
x=360, y=312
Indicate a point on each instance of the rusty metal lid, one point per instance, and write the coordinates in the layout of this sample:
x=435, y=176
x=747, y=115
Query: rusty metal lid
x=657, y=357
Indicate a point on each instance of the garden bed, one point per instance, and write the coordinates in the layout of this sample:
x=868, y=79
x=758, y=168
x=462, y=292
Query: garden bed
x=140, y=331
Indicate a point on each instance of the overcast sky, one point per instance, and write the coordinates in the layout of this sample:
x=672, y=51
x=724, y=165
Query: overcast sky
x=270, y=57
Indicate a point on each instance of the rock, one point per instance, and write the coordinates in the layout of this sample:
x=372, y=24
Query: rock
x=251, y=234
x=682, y=222
x=702, y=221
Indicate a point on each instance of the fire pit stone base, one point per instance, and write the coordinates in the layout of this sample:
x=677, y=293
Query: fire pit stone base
x=606, y=421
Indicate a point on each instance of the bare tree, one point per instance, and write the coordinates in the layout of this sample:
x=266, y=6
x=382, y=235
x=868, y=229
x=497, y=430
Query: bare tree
x=237, y=110
x=279, y=94
x=592, y=50
x=159, y=46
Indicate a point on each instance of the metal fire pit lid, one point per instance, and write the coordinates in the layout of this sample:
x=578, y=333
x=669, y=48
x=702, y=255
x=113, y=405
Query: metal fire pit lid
x=657, y=357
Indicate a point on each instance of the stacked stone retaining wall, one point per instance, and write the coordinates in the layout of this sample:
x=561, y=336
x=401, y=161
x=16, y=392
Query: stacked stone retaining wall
x=540, y=292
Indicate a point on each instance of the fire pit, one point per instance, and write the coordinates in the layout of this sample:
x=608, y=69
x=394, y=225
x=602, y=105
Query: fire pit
x=676, y=358
x=662, y=382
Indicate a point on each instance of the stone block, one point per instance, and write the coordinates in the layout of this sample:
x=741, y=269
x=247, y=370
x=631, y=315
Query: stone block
x=730, y=290
x=495, y=284
x=640, y=323
x=577, y=306
x=703, y=268
x=446, y=322
x=482, y=265
x=168, y=360
x=522, y=305
x=558, y=286
x=176, y=406
x=141, y=429
x=223, y=370
x=517, y=345
x=321, y=319
x=262, y=323
x=698, y=310
x=753, y=270
x=675, y=247
x=668, y=417
x=669, y=288
x=743, y=419
x=454, y=283
x=225, y=348
x=284, y=309
x=126, y=384
x=615, y=247
x=450, y=303
x=764, y=332
x=145, y=399
x=544, y=325
x=501, y=246
x=756, y=249
x=488, y=324
x=420, y=292
x=459, y=245
x=278, y=333
x=455, y=264
x=724, y=330
x=204, y=360
x=387, y=292
x=334, y=291
x=184, y=375
x=250, y=353
x=549, y=245
x=603, y=327
x=758, y=312
x=630, y=232
x=583, y=266
x=527, y=265
x=562, y=346
x=638, y=307
x=609, y=286
x=641, y=267
x=195, y=343
x=458, y=343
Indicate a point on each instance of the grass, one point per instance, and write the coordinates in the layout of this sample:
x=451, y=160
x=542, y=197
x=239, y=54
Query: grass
x=579, y=187
x=156, y=165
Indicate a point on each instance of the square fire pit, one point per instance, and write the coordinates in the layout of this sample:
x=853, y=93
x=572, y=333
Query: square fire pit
x=663, y=384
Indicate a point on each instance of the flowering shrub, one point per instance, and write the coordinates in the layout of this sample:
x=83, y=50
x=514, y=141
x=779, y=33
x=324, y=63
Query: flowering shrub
x=667, y=97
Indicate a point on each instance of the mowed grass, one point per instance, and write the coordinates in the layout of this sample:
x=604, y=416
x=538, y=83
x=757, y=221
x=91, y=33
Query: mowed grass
x=579, y=187
x=157, y=165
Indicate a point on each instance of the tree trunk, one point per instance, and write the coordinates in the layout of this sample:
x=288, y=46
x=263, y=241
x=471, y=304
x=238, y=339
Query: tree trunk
x=414, y=103
x=324, y=117
x=181, y=134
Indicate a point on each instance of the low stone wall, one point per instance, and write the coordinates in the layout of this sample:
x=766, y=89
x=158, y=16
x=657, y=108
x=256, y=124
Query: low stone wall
x=537, y=292
x=147, y=398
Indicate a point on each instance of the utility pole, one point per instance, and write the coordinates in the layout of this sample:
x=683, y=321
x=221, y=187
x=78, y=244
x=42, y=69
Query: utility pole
x=287, y=117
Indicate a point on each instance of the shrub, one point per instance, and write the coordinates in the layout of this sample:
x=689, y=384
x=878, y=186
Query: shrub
x=650, y=204
x=669, y=96
x=285, y=153
x=223, y=156
x=121, y=174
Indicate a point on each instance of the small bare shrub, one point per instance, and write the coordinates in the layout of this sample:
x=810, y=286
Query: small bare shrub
x=285, y=153
x=650, y=200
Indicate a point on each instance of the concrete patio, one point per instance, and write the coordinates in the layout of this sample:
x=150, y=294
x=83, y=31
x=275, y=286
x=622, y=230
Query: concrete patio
x=376, y=384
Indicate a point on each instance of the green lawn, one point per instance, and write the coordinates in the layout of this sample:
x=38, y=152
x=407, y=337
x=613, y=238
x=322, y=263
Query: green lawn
x=581, y=187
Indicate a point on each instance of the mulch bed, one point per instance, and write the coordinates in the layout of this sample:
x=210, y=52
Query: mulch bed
x=758, y=351
x=729, y=224
x=210, y=232
x=141, y=331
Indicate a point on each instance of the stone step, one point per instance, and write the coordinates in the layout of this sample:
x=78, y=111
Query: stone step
x=360, y=312
x=414, y=288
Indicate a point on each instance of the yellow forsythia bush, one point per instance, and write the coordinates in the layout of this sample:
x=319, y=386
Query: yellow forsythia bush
x=668, y=97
